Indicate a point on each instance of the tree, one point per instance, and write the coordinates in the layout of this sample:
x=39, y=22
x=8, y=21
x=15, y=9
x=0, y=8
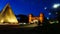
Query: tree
x=22, y=18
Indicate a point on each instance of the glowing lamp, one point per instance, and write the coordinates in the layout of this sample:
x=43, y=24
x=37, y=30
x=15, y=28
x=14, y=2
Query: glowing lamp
x=56, y=5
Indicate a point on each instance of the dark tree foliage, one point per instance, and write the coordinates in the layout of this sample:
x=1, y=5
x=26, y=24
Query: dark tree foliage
x=22, y=18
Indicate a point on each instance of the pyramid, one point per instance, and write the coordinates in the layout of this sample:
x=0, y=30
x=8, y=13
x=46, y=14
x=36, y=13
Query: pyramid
x=7, y=15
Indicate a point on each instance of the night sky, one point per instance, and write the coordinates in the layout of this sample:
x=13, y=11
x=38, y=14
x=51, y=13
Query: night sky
x=26, y=7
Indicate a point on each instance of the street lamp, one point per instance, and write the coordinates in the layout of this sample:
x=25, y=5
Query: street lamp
x=56, y=5
x=45, y=8
x=49, y=13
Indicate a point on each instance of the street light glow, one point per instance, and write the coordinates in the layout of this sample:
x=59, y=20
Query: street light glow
x=49, y=13
x=56, y=13
x=48, y=18
x=56, y=5
x=45, y=8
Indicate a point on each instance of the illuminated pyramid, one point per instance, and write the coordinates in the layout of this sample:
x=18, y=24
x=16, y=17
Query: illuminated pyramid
x=7, y=15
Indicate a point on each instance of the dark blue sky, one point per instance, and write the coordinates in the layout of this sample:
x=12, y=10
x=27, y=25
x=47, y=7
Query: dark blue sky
x=29, y=6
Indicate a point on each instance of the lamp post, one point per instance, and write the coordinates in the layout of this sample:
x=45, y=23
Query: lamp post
x=56, y=6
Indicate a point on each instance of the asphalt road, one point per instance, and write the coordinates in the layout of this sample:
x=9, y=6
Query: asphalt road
x=8, y=29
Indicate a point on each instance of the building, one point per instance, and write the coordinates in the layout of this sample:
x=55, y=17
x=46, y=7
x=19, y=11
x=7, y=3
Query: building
x=7, y=16
x=33, y=19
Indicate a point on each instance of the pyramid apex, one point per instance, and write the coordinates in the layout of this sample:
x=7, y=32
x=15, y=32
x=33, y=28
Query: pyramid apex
x=8, y=4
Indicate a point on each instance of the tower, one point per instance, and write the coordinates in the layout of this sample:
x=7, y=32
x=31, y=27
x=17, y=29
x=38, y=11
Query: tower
x=30, y=18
